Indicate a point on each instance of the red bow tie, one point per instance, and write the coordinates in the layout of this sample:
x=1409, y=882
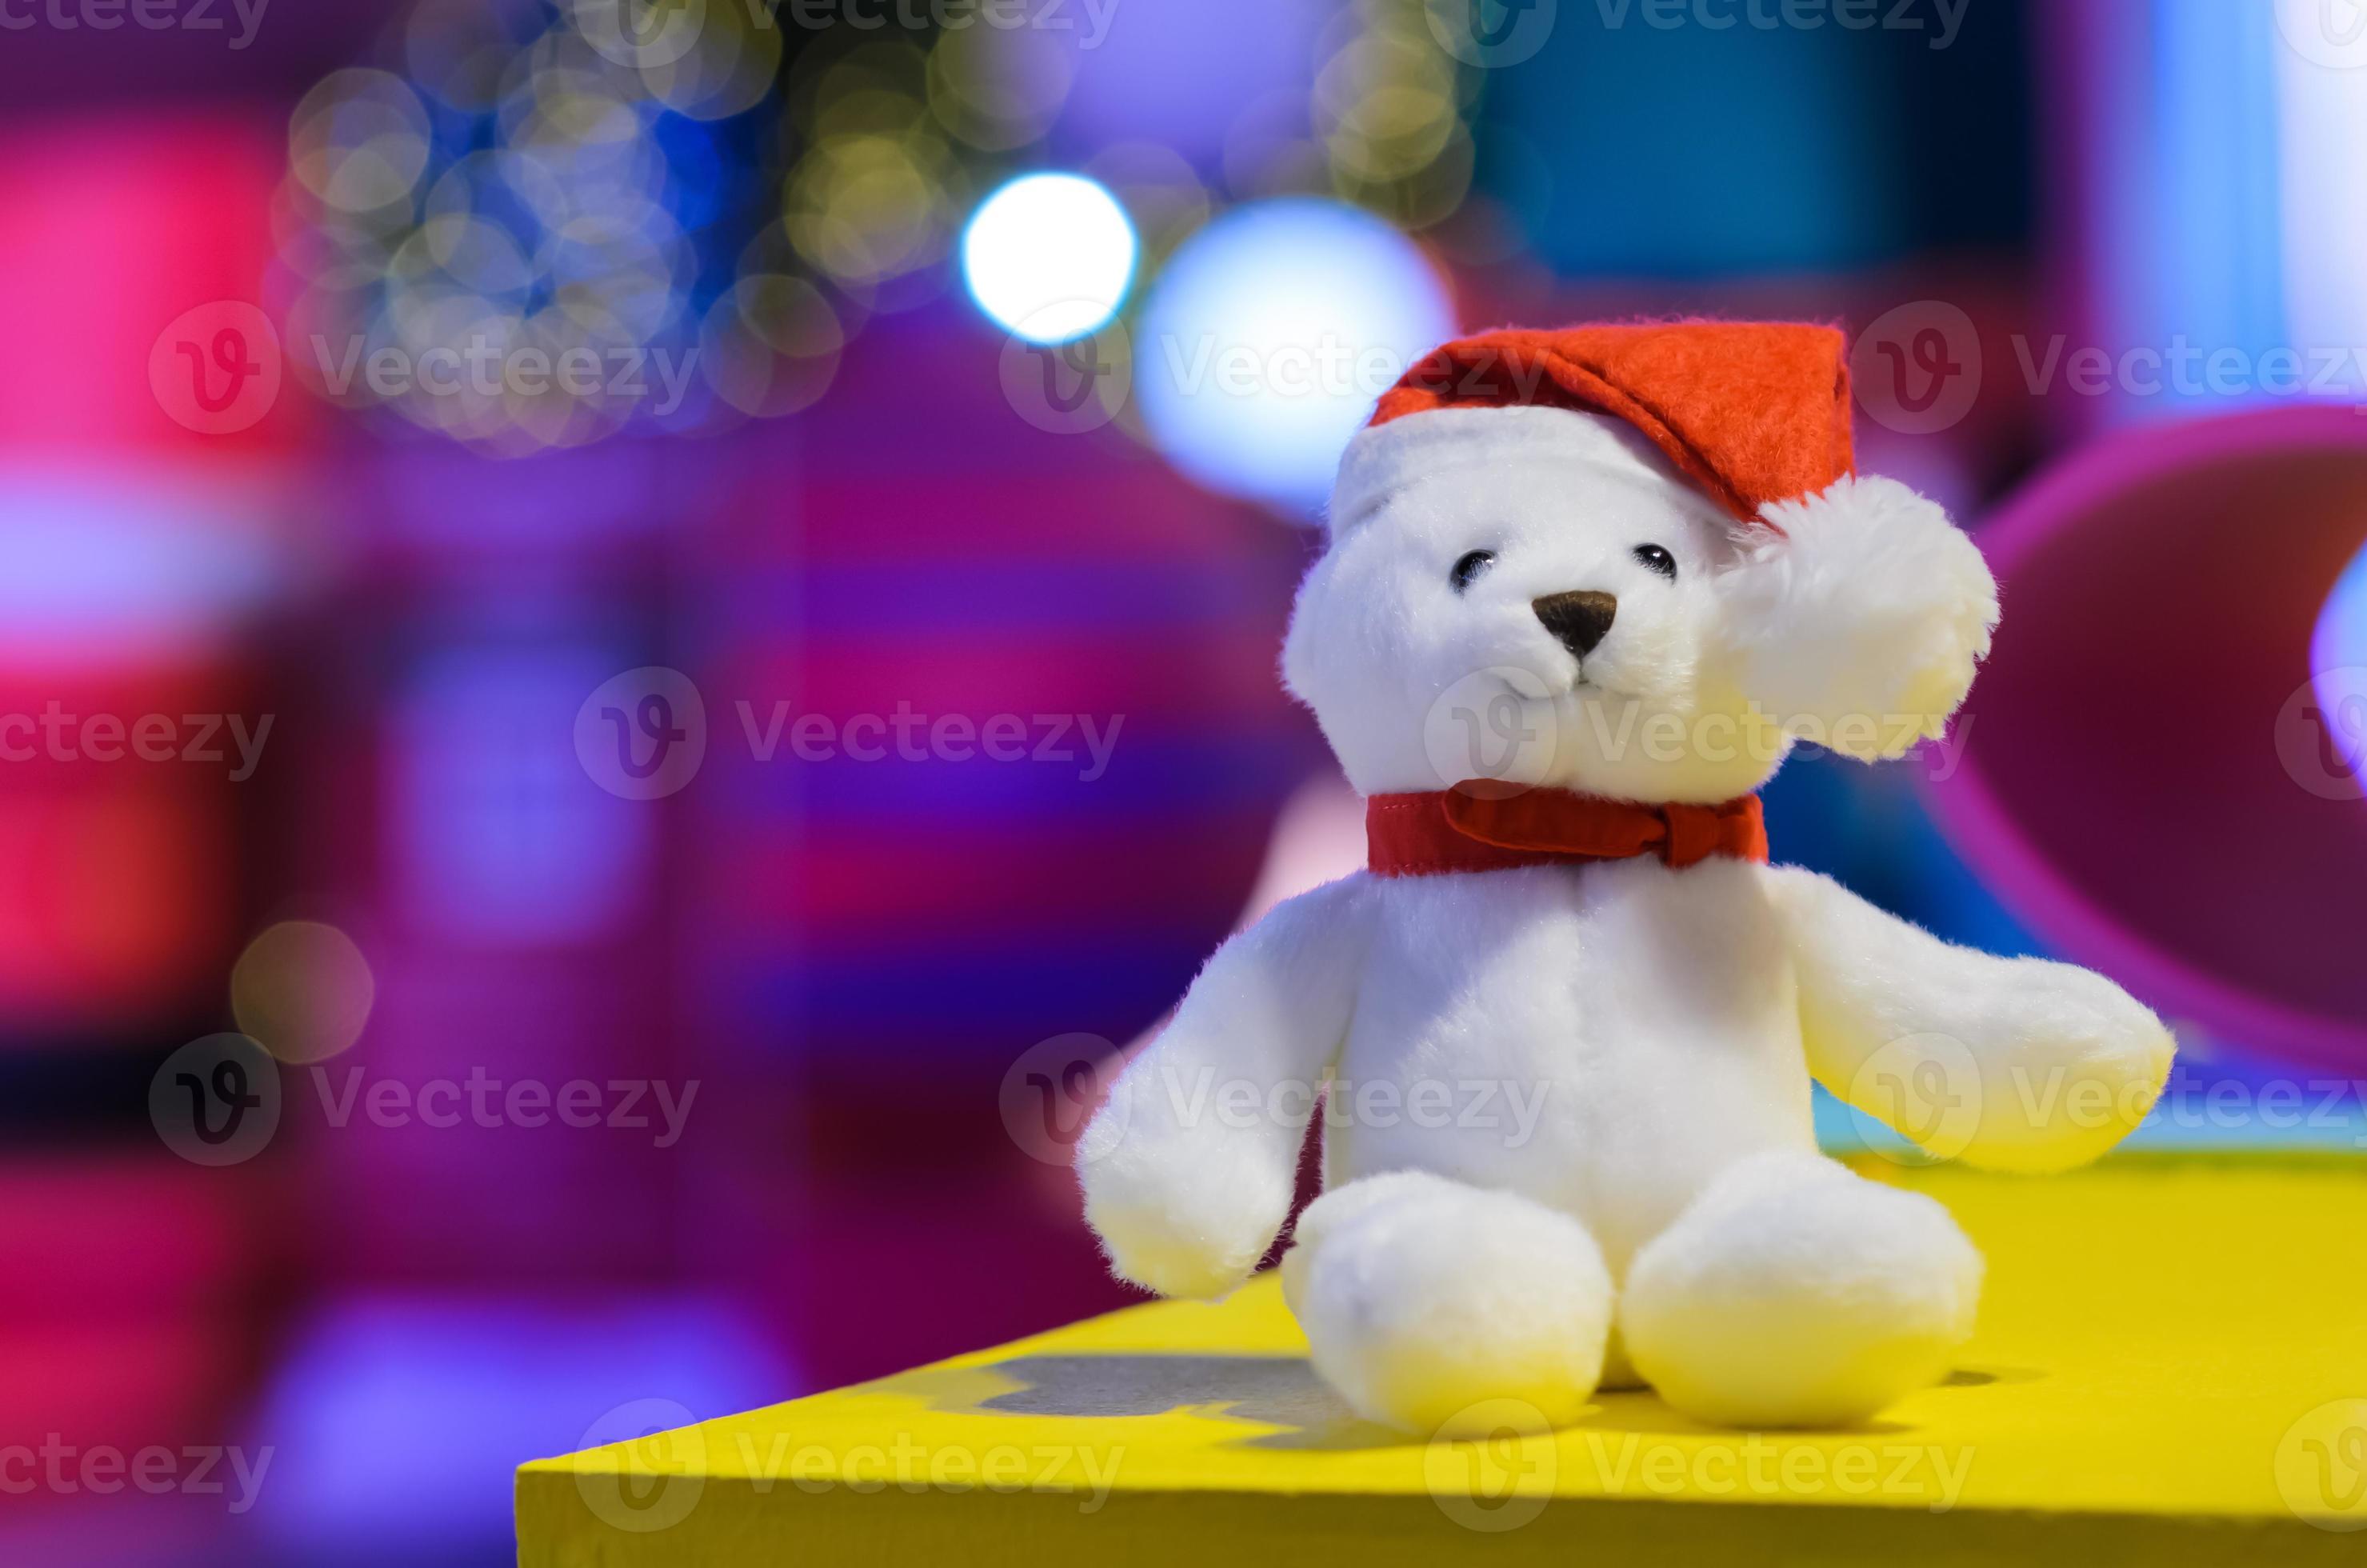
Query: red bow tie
x=1424, y=834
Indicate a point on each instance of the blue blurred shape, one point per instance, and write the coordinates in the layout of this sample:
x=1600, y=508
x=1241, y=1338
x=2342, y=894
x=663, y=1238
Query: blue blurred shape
x=396, y=1422
x=2341, y=640
x=2338, y=662
x=1657, y=141
x=498, y=836
x=1268, y=338
x=105, y=562
x=1183, y=73
x=1776, y=160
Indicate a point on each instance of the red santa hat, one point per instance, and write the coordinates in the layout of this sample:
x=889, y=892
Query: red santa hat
x=1753, y=412
x=1850, y=597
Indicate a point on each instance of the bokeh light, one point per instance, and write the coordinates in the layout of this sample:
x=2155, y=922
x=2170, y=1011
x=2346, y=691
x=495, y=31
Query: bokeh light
x=1049, y=256
x=302, y=990
x=2338, y=662
x=998, y=88
x=359, y=142
x=523, y=232
x=1268, y=338
x=770, y=345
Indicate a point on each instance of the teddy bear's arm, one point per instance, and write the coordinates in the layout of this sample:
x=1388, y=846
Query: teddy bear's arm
x=2007, y=1064
x=1189, y=1168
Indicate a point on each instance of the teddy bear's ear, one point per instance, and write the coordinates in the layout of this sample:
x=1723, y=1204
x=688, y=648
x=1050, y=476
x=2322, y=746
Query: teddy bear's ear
x=1854, y=620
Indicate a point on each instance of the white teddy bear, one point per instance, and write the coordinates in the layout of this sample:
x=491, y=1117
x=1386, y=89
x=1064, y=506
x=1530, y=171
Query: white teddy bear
x=1632, y=563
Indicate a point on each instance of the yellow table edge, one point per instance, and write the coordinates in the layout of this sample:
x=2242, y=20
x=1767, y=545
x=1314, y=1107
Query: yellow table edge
x=2173, y=1361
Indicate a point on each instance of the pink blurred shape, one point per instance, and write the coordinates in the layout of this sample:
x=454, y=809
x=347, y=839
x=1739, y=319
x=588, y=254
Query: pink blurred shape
x=2147, y=777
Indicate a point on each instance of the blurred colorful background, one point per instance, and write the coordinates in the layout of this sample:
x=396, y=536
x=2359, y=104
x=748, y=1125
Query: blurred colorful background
x=633, y=631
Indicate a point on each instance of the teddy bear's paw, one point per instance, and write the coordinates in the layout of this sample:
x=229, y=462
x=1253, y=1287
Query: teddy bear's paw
x=1170, y=1259
x=2071, y=1065
x=1193, y=1244
x=1792, y=1293
x=1446, y=1309
x=1185, y=1218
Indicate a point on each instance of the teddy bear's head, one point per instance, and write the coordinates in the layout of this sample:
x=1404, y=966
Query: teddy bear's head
x=1639, y=588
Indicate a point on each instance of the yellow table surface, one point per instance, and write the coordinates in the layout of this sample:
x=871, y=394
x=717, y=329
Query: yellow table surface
x=2172, y=1362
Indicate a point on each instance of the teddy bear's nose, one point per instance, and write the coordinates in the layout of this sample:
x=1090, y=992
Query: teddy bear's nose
x=1580, y=619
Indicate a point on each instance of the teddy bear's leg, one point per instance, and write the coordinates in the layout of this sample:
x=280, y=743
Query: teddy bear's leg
x=1794, y=1294
x=1443, y=1309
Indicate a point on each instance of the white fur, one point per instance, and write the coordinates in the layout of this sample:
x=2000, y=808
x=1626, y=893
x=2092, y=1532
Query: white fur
x=2008, y=1064
x=1391, y=658
x=1794, y=1294
x=1622, y=1047
x=1859, y=627
x=1186, y=1193
x=1437, y=1307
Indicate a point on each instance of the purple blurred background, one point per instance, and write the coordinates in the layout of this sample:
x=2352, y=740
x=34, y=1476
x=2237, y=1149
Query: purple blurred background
x=617, y=646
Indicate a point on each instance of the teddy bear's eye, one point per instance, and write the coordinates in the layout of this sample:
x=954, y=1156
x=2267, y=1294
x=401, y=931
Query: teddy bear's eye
x=1659, y=560
x=1470, y=566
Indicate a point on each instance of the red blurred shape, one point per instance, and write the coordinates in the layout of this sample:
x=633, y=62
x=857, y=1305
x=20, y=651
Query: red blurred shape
x=132, y=1343
x=116, y=878
x=109, y=230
